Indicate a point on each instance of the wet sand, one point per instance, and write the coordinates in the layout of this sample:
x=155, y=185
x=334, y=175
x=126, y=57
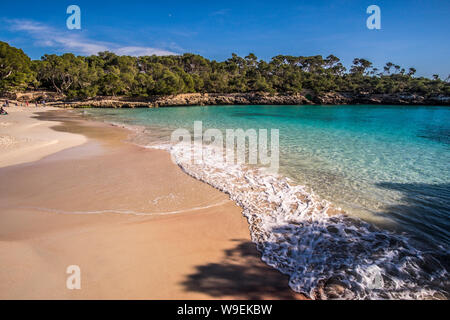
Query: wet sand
x=136, y=225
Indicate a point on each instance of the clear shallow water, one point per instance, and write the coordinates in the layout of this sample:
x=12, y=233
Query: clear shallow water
x=388, y=165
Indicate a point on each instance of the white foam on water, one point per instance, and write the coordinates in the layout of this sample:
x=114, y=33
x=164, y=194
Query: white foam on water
x=326, y=256
x=165, y=147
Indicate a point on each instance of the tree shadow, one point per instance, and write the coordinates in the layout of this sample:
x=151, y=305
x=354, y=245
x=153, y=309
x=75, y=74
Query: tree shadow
x=344, y=250
x=243, y=275
x=424, y=211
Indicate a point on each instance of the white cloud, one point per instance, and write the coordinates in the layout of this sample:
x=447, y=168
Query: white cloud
x=142, y=51
x=76, y=42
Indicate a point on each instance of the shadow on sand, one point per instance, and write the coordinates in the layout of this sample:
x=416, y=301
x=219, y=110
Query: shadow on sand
x=241, y=275
x=346, y=247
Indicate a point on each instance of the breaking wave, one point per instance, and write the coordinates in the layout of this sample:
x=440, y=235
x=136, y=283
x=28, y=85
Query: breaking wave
x=327, y=254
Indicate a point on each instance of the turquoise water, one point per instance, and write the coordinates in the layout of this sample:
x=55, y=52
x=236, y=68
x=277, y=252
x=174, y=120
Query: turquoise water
x=386, y=164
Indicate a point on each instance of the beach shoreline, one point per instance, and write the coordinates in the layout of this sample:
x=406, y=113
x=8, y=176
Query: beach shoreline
x=290, y=223
x=138, y=227
x=307, y=97
x=25, y=139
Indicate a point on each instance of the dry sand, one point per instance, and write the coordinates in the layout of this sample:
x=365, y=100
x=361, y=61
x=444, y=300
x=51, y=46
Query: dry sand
x=136, y=225
x=24, y=139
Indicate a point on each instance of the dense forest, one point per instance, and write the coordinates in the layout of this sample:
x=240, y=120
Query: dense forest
x=111, y=75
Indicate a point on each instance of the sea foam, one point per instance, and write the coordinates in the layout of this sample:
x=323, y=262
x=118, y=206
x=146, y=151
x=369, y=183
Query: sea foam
x=326, y=255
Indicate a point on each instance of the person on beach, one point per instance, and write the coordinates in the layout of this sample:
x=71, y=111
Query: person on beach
x=27, y=104
x=3, y=112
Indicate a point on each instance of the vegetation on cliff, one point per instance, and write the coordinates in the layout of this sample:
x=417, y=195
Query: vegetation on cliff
x=112, y=75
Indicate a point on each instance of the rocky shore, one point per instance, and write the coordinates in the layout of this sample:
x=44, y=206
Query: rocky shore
x=203, y=99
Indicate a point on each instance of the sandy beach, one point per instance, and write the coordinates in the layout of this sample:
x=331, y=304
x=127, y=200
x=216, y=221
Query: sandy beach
x=73, y=192
x=24, y=139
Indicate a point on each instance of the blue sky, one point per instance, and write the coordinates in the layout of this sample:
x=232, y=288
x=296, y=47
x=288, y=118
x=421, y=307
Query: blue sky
x=414, y=33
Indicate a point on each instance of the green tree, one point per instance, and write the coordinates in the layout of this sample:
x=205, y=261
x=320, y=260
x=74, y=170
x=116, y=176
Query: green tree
x=15, y=68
